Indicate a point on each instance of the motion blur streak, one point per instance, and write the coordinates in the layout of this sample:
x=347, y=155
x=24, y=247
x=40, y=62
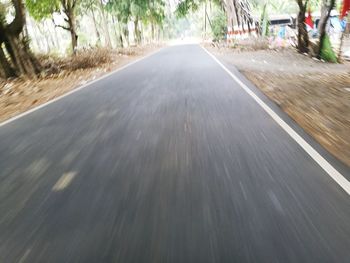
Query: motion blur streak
x=174, y=163
x=326, y=166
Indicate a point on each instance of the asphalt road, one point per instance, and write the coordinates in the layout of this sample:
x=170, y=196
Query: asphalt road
x=168, y=160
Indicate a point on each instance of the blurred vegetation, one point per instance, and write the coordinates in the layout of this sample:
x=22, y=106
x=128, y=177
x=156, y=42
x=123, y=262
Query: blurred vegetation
x=219, y=25
x=327, y=53
x=66, y=26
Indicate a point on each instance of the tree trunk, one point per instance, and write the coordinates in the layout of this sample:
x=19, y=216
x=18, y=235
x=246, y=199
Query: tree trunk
x=239, y=17
x=72, y=30
x=20, y=60
x=238, y=23
x=56, y=35
x=326, y=11
x=152, y=31
x=6, y=71
x=105, y=26
x=120, y=35
x=116, y=37
x=96, y=28
x=141, y=34
x=303, y=37
x=74, y=37
x=137, y=32
x=126, y=34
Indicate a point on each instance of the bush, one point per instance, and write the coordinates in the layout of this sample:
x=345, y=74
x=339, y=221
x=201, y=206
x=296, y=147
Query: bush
x=219, y=25
x=89, y=59
x=327, y=52
x=84, y=59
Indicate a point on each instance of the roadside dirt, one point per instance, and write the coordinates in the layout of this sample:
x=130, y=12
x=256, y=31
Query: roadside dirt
x=315, y=94
x=17, y=96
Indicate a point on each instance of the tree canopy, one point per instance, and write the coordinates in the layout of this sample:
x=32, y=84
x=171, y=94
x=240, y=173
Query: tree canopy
x=118, y=23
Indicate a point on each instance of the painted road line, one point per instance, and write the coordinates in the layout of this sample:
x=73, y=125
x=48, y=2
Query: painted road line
x=77, y=89
x=64, y=181
x=321, y=161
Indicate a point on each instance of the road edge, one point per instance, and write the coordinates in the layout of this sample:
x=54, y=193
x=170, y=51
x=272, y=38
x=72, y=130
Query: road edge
x=314, y=154
x=78, y=88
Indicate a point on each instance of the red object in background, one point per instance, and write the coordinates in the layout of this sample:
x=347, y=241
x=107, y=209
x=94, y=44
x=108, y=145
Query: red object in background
x=345, y=8
x=308, y=20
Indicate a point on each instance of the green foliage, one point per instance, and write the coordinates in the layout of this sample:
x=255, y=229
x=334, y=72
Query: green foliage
x=138, y=8
x=149, y=11
x=88, y=5
x=219, y=25
x=120, y=8
x=327, y=52
x=264, y=21
x=40, y=9
x=186, y=6
x=155, y=13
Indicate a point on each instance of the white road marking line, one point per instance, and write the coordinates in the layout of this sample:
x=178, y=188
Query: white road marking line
x=25, y=256
x=77, y=89
x=64, y=181
x=322, y=162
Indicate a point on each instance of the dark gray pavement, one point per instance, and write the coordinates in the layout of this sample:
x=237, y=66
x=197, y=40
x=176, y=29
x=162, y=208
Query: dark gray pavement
x=169, y=161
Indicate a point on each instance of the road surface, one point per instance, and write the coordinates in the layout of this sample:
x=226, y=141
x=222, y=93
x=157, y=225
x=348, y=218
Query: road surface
x=168, y=160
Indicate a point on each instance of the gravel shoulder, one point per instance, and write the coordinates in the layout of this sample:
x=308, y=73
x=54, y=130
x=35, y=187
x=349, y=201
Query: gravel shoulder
x=315, y=94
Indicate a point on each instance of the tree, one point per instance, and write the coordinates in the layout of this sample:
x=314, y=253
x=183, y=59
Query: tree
x=238, y=13
x=40, y=9
x=15, y=56
x=122, y=10
x=241, y=15
x=90, y=6
x=186, y=6
x=326, y=9
x=303, y=37
x=304, y=45
x=138, y=8
x=105, y=24
x=155, y=14
x=219, y=25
